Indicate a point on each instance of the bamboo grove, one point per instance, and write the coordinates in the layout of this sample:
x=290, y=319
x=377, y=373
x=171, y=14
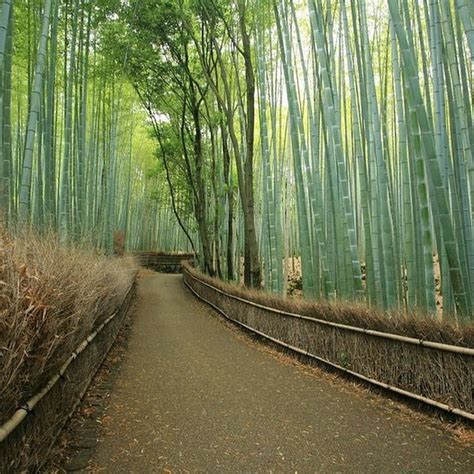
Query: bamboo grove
x=72, y=131
x=337, y=131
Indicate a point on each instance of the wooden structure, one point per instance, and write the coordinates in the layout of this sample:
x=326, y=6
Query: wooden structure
x=163, y=262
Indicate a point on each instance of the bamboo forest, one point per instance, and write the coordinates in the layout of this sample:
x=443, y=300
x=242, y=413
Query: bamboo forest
x=335, y=134
x=236, y=236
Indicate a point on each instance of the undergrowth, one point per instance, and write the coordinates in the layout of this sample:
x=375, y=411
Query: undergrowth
x=51, y=298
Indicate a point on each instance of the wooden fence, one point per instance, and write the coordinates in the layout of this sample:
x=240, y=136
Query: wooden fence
x=437, y=374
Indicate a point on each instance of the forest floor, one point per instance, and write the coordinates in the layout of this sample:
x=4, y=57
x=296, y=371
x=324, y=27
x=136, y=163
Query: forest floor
x=193, y=393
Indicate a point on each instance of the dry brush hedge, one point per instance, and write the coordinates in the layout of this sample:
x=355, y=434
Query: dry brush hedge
x=441, y=376
x=27, y=447
x=51, y=299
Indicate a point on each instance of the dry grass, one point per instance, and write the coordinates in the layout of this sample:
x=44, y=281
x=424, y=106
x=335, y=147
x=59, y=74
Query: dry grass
x=51, y=298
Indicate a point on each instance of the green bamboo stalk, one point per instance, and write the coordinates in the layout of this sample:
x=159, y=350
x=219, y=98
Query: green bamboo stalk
x=415, y=97
x=297, y=148
x=36, y=90
x=465, y=10
x=5, y=110
x=343, y=201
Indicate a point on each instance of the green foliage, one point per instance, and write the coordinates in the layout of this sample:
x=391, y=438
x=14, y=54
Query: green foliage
x=340, y=132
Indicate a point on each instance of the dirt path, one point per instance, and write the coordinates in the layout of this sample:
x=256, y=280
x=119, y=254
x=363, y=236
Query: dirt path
x=194, y=395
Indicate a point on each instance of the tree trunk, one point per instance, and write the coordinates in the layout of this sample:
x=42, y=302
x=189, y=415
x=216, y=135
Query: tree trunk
x=252, y=261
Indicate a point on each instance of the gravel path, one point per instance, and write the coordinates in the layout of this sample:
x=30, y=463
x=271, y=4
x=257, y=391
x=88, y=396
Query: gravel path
x=194, y=395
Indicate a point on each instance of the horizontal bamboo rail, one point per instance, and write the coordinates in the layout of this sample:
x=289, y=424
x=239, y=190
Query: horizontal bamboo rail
x=386, y=335
x=10, y=425
x=161, y=261
x=465, y=351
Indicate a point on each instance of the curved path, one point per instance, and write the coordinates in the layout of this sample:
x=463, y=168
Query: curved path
x=194, y=394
